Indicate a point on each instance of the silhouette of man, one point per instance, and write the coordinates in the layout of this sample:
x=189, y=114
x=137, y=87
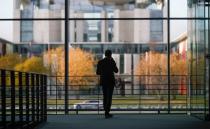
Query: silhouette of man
x=106, y=68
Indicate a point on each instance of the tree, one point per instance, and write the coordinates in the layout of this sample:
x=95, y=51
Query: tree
x=33, y=64
x=154, y=63
x=9, y=61
x=81, y=66
x=153, y=68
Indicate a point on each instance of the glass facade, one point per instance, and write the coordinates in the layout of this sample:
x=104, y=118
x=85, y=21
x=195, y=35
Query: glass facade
x=197, y=50
x=160, y=48
x=26, y=27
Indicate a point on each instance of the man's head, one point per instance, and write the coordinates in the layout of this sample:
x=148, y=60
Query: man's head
x=108, y=53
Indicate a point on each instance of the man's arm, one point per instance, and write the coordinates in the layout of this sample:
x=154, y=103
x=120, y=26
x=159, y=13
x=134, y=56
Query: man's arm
x=115, y=69
x=98, y=69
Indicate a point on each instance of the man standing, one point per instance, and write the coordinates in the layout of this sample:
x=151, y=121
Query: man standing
x=106, y=68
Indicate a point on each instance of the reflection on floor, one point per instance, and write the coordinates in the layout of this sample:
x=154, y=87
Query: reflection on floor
x=124, y=122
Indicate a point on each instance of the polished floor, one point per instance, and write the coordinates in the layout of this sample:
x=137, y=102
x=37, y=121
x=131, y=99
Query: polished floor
x=124, y=122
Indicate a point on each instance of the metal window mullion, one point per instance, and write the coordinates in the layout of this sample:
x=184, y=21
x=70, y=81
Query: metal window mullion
x=37, y=97
x=42, y=97
x=27, y=96
x=168, y=57
x=45, y=98
x=33, y=97
x=209, y=61
x=196, y=59
x=20, y=97
x=132, y=74
x=56, y=94
x=12, y=84
x=205, y=108
x=66, y=54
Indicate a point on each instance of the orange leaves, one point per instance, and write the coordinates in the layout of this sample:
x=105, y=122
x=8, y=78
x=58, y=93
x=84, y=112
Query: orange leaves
x=153, y=63
x=81, y=64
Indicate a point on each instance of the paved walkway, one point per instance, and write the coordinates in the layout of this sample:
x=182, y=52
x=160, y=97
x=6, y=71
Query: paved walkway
x=124, y=122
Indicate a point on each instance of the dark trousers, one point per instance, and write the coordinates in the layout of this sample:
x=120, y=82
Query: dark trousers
x=107, y=97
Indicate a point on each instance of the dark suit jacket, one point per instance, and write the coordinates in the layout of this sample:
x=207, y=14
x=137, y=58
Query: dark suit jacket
x=106, y=68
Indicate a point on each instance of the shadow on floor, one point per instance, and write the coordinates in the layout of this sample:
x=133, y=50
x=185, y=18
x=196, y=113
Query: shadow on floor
x=124, y=122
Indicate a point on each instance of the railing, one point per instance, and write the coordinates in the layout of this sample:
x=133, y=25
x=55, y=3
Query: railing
x=136, y=94
x=27, y=98
x=23, y=99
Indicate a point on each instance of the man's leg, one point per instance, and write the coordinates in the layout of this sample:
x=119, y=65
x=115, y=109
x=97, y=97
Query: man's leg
x=105, y=99
x=109, y=100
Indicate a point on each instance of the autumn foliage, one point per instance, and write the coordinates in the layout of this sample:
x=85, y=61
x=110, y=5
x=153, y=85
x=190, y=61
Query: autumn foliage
x=153, y=69
x=81, y=66
x=33, y=64
x=154, y=63
x=18, y=63
x=9, y=61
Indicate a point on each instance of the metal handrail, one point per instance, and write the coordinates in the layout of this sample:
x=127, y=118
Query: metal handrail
x=80, y=92
x=23, y=99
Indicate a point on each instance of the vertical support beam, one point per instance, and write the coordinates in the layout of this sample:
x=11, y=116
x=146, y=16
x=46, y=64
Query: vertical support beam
x=205, y=53
x=209, y=52
x=56, y=94
x=42, y=97
x=98, y=91
x=37, y=97
x=3, y=97
x=139, y=106
x=208, y=62
x=45, y=98
x=27, y=96
x=132, y=73
x=20, y=96
x=12, y=84
x=33, y=97
x=168, y=57
x=66, y=54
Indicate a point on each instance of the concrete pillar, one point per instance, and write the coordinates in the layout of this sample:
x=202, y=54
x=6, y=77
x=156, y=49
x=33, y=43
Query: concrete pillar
x=80, y=24
x=116, y=28
x=16, y=31
x=127, y=64
x=62, y=27
x=104, y=27
x=141, y=27
x=41, y=35
x=72, y=27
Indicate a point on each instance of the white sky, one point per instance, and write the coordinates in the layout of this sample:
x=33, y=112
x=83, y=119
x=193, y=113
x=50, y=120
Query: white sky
x=179, y=8
x=6, y=11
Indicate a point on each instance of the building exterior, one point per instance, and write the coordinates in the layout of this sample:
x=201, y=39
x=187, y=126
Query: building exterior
x=6, y=47
x=179, y=45
x=132, y=37
x=90, y=31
